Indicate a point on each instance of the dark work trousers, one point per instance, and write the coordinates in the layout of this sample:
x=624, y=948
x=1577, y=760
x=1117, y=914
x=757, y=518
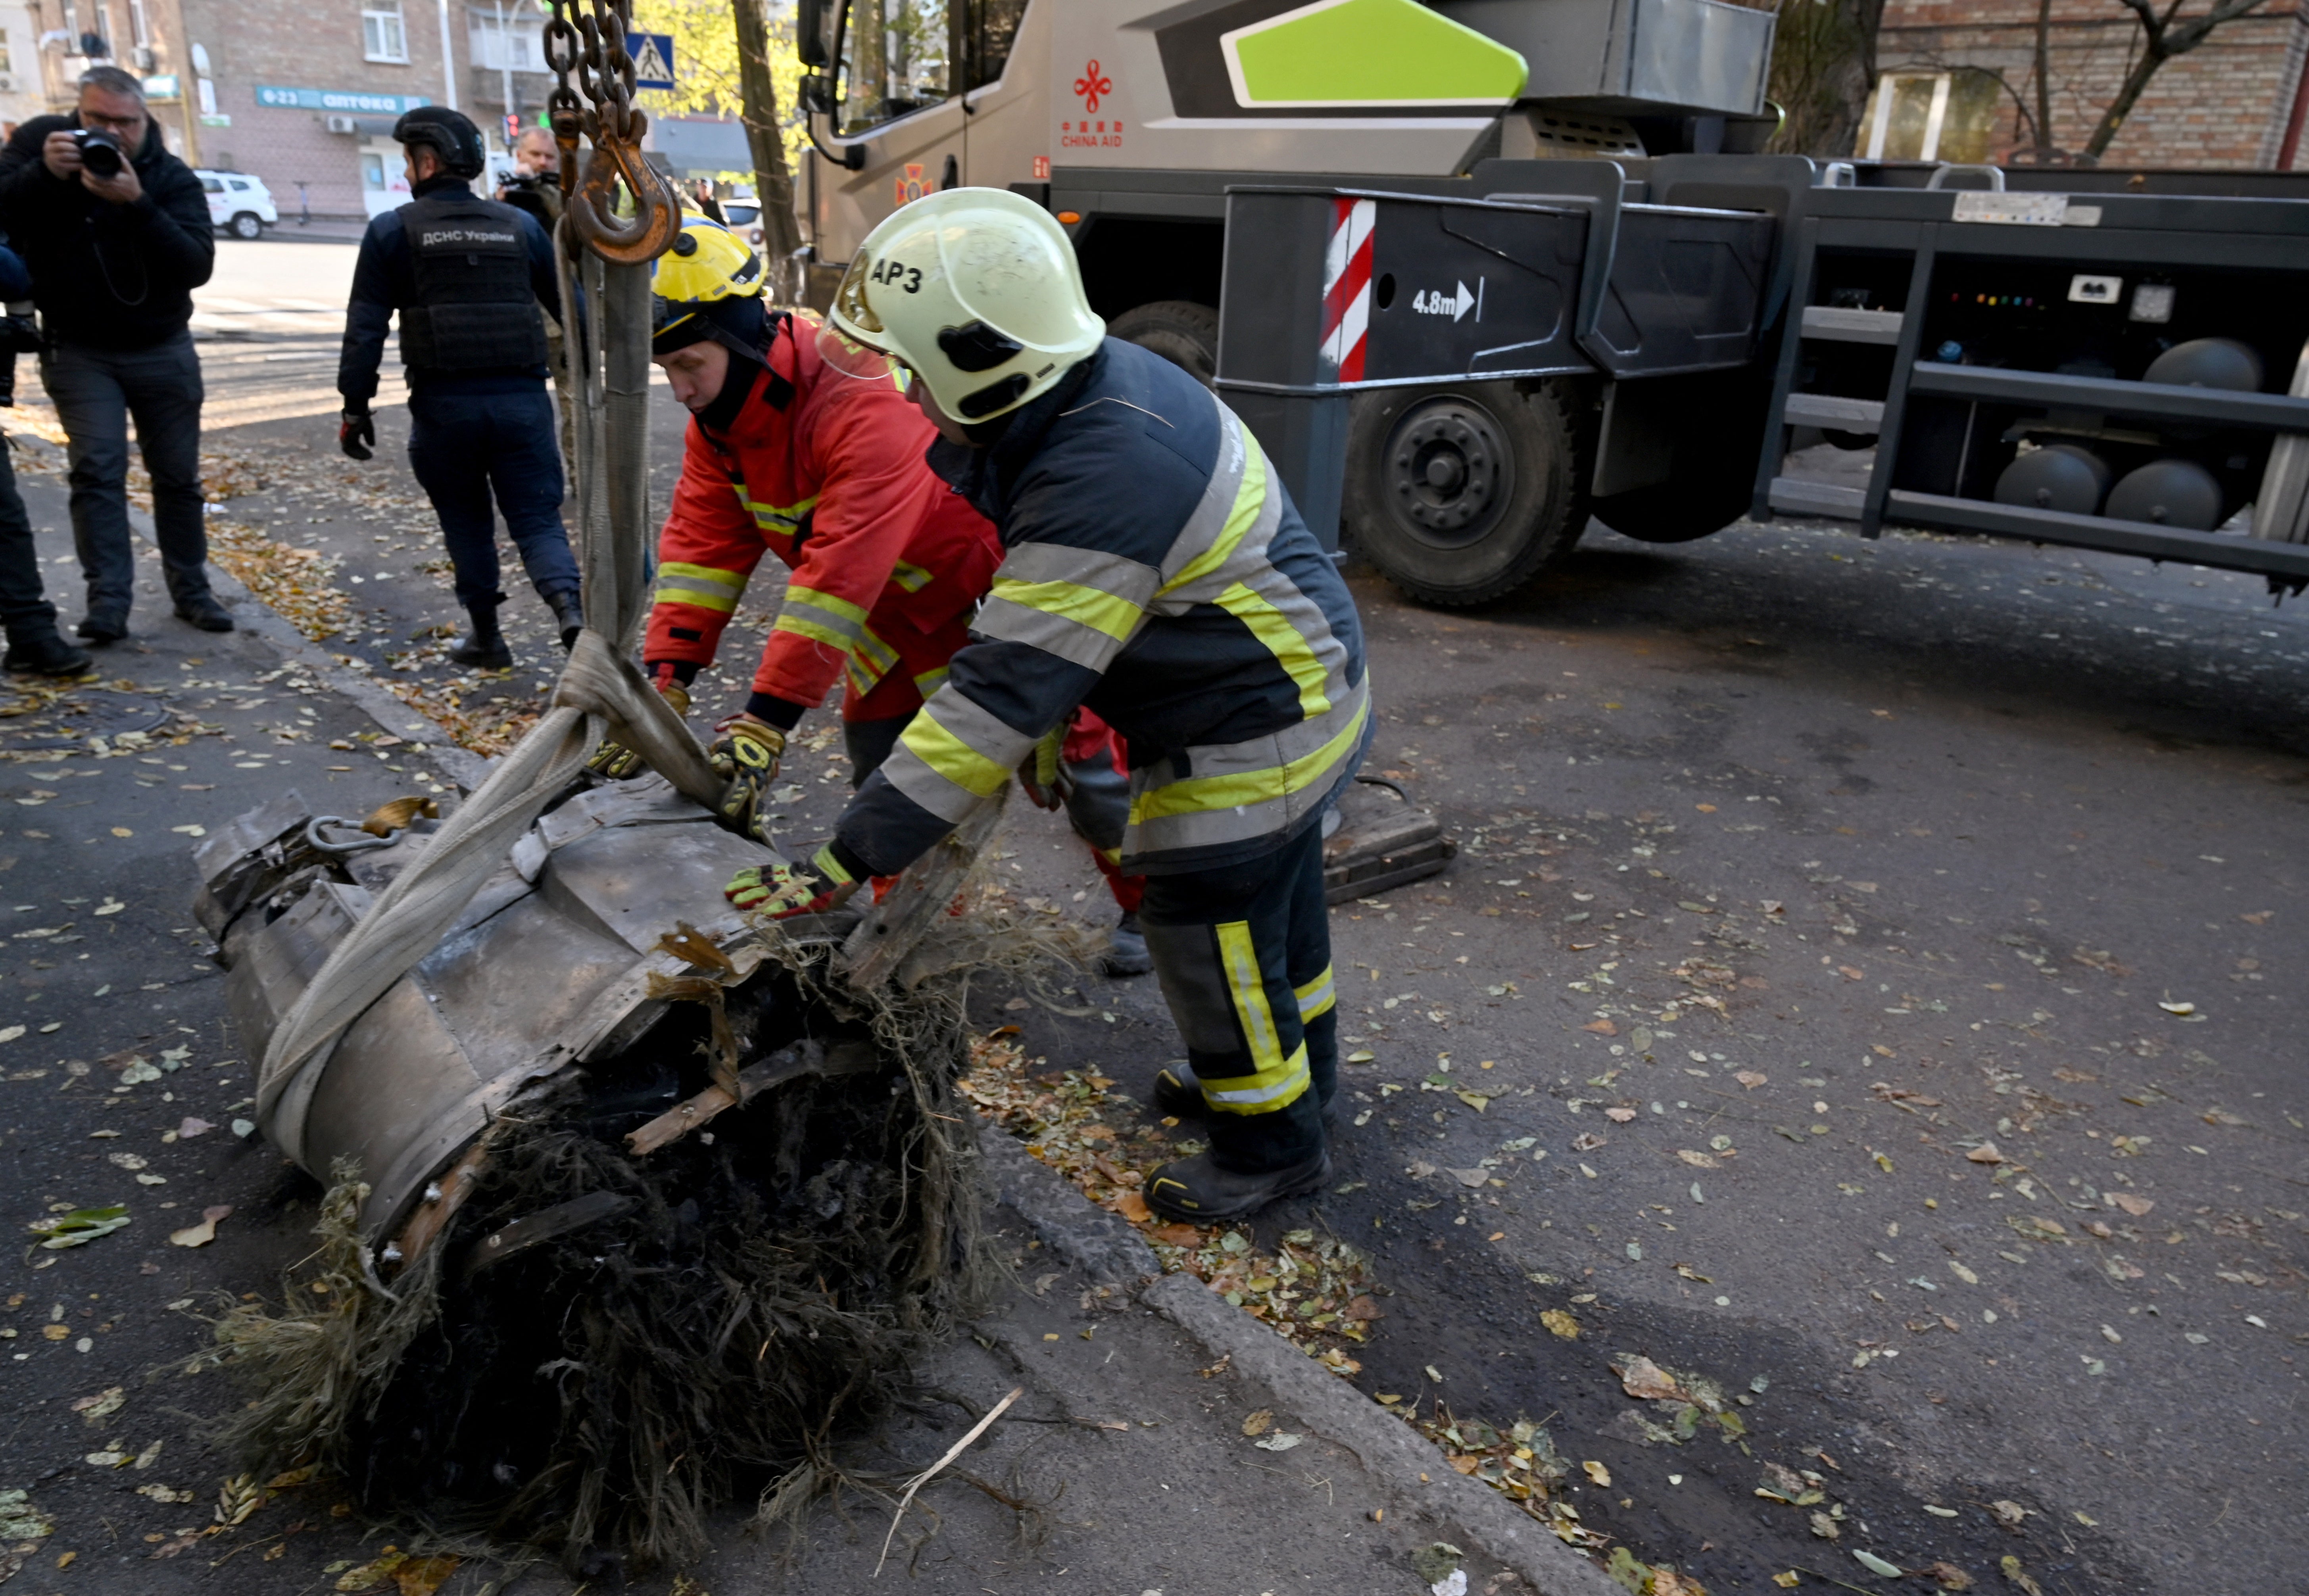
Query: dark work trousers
x=1244, y=956
x=1098, y=807
x=24, y=607
x=464, y=446
x=96, y=392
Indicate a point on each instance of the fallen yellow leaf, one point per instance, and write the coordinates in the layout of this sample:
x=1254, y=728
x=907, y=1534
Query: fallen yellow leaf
x=1133, y=1207
x=1596, y=1472
x=1561, y=1324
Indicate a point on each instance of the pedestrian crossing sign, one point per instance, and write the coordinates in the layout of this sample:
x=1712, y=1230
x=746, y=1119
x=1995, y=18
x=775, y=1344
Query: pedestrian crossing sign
x=653, y=58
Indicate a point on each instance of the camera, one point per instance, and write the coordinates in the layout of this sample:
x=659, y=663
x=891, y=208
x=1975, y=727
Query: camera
x=99, y=152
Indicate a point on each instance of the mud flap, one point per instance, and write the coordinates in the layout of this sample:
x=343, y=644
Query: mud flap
x=1382, y=840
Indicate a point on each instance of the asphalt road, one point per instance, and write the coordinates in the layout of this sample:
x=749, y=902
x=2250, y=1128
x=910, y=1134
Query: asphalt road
x=1869, y=982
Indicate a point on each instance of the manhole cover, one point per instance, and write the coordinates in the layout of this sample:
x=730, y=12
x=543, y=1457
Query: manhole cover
x=100, y=711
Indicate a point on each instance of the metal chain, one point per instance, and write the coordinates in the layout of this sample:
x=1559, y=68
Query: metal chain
x=590, y=45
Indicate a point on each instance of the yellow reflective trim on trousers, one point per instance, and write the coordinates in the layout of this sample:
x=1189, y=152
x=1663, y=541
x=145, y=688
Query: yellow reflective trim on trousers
x=910, y=576
x=852, y=613
x=871, y=662
x=1198, y=794
x=1274, y=1081
x=1248, y=500
x=1089, y=607
x=1318, y=997
x=704, y=586
x=1283, y=639
x=950, y=757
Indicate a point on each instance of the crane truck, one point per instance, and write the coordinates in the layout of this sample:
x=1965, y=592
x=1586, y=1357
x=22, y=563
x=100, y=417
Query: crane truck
x=1475, y=271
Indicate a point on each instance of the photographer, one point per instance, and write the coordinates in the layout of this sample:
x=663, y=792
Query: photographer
x=116, y=233
x=535, y=187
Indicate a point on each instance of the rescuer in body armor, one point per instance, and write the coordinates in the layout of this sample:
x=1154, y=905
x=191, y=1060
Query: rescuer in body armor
x=1155, y=569
x=888, y=563
x=466, y=275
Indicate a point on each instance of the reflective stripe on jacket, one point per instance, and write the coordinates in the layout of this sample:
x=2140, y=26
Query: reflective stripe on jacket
x=834, y=484
x=1154, y=569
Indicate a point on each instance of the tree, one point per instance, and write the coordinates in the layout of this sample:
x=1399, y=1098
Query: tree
x=718, y=75
x=1823, y=67
x=2164, y=36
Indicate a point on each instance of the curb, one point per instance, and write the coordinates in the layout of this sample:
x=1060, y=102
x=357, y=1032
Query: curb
x=1111, y=1252
x=254, y=615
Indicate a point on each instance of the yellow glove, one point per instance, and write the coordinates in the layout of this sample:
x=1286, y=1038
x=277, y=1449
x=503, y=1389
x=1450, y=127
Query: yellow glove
x=746, y=756
x=1042, y=773
x=616, y=762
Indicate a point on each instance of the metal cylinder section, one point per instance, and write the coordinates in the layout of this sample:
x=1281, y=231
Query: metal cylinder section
x=2168, y=493
x=2064, y=477
x=2207, y=363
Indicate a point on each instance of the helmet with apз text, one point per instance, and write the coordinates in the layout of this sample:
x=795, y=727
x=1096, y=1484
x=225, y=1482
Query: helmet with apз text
x=976, y=290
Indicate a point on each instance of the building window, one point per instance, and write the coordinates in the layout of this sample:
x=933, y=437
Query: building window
x=7, y=62
x=1932, y=115
x=383, y=37
x=515, y=43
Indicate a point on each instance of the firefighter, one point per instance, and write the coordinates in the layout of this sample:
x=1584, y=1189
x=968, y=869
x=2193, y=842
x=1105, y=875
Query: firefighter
x=1154, y=570
x=887, y=563
x=467, y=275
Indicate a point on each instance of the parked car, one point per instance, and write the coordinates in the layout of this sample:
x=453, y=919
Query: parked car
x=238, y=204
x=745, y=219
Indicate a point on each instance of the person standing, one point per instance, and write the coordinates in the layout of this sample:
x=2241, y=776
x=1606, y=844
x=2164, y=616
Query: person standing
x=467, y=276
x=535, y=187
x=116, y=233
x=1155, y=569
x=887, y=563
x=34, y=645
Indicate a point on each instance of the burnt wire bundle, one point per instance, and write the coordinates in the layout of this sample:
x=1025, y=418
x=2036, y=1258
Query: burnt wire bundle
x=746, y=1294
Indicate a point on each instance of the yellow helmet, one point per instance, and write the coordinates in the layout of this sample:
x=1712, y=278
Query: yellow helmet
x=708, y=285
x=977, y=289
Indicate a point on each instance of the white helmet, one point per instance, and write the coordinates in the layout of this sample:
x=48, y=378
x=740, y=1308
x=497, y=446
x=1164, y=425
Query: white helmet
x=977, y=291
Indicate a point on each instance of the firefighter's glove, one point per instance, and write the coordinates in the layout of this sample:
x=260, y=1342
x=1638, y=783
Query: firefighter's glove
x=746, y=755
x=616, y=762
x=780, y=891
x=1042, y=773
x=357, y=434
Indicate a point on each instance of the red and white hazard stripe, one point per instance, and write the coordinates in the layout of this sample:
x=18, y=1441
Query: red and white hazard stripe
x=1346, y=289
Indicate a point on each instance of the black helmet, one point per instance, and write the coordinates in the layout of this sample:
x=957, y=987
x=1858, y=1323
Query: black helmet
x=449, y=133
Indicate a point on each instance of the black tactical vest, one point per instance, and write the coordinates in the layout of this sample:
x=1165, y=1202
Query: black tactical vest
x=475, y=308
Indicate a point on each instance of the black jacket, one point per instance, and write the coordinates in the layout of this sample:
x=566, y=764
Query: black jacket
x=111, y=277
x=1156, y=570
x=385, y=280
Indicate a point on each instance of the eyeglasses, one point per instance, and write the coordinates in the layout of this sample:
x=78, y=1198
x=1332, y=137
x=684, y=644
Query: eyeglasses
x=99, y=121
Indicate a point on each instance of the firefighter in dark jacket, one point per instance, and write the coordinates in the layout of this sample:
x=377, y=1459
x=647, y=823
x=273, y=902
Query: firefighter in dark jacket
x=116, y=233
x=1155, y=571
x=467, y=275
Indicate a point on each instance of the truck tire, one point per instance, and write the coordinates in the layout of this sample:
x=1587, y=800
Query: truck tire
x=1181, y=332
x=1464, y=492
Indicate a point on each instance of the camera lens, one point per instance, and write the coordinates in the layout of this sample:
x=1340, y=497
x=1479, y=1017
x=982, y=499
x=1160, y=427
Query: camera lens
x=99, y=153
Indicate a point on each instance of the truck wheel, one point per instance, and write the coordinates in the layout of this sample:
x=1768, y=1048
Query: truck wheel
x=1181, y=332
x=1463, y=492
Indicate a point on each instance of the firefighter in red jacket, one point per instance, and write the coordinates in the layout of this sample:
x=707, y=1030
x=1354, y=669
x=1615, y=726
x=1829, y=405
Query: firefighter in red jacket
x=888, y=563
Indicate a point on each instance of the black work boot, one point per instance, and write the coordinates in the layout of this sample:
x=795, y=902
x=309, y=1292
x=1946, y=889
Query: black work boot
x=202, y=610
x=44, y=653
x=1126, y=948
x=1178, y=1095
x=102, y=627
x=1197, y=1190
x=568, y=608
x=482, y=644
